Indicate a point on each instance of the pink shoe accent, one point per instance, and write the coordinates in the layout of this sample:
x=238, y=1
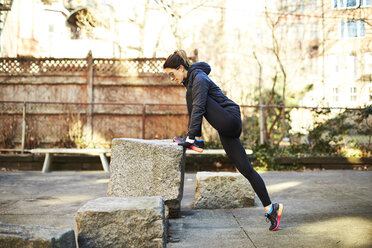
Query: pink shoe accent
x=277, y=226
x=280, y=211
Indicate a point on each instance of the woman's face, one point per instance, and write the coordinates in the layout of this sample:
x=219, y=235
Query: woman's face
x=175, y=74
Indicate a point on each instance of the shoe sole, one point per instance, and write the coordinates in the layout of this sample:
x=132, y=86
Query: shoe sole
x=280, y=211
x=197, y=149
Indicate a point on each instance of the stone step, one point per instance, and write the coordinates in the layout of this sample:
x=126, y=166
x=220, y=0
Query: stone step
x=148, y=168
x=21, y=236
x=216, y=190
x=122, y=222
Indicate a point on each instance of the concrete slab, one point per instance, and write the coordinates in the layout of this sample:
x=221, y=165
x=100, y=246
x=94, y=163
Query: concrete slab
x=34, y=198
x=322, y=209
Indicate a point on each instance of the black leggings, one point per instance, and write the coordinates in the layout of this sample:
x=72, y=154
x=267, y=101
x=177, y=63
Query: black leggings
x=228, y=123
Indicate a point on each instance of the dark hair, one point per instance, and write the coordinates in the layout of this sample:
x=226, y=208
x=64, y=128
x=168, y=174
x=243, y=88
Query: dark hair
x=176, y=59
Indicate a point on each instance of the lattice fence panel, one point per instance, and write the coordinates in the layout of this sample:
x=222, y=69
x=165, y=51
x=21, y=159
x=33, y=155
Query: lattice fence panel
x=41, y=66
x=128, y=66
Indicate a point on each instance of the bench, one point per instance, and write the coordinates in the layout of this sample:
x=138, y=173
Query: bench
x=214, y=152
x=101, y=153
x=50, y=151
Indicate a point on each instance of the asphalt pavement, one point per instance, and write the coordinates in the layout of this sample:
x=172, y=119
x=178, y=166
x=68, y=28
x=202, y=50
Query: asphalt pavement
x=321, y=209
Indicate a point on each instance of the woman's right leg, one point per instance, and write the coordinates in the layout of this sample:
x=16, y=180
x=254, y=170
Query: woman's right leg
x=235, y=151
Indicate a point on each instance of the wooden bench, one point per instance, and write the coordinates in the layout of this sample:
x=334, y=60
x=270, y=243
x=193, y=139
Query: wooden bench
x=213, y=152
x=49, y=155
x=101, y=153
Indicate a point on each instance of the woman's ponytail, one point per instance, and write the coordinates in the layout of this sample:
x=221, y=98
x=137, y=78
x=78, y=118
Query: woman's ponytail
x=179, y=57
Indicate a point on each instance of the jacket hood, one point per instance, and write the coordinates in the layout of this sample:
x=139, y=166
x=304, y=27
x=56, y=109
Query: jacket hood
x=194, y=69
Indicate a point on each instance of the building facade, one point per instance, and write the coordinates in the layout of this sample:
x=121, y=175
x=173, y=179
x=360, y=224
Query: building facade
x=336, y=39
x=323, y=46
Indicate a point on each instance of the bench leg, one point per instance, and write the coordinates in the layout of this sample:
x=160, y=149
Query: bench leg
x=47, y=162
x=104, y=162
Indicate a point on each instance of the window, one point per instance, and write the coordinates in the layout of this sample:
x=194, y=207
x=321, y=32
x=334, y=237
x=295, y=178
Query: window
x=301, y=6
x=51, y=28
x=284, y=6
x=353, y=94
x=335, y=95
x=314, y=65
x=293, y=5
x=351, y=66
x=370, y=94
x=368, y=63
x=352, y=29
x=365, y=3
x=351, y=4
x=313, y=4
x=314, y=30
x=297, y=5
x=332, y=65
x=348, y=4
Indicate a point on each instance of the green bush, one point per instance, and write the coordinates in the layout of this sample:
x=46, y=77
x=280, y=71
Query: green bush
x=326, y=139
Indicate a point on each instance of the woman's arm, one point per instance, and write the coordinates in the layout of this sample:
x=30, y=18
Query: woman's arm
x=200, y=88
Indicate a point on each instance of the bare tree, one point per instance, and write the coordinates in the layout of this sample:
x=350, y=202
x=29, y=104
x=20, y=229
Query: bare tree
x=176, y=14
x=140, y=20
x=282, y=59
x=276, y=50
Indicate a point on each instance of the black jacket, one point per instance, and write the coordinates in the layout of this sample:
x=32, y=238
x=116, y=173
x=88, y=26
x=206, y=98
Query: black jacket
x=198, y=88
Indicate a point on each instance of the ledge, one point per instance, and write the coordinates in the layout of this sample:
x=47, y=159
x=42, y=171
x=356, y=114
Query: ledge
x=194, y=162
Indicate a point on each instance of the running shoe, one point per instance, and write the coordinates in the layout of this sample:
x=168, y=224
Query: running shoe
x=197, y=146
x=274, y=216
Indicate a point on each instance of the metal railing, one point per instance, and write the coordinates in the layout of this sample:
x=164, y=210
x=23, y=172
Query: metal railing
x=63, y=114
x=30, y=124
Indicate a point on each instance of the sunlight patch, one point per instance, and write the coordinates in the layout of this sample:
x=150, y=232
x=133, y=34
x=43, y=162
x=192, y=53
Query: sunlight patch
x=66, y=199
x=345, y=231
x=274, y=188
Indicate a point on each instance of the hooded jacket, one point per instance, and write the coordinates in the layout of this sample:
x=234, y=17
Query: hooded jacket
x=198, y=88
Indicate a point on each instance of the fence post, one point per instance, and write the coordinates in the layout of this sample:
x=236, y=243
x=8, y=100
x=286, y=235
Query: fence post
x=196, y=55
x=23, y=127
x=90, y=97
x=143, y=121
x=261, y=125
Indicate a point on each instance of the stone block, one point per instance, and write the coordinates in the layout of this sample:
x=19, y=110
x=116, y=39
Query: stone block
x=148, y=168
x=216, y=190
x=21, y=236
x=129, y=222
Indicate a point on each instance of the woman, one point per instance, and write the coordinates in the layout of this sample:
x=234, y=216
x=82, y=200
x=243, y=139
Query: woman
x=205, y=98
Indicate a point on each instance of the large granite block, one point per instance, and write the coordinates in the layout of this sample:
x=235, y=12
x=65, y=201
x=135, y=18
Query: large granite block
x=222, y=190
x=130, y=222
x=35, y=236
x=148, y=168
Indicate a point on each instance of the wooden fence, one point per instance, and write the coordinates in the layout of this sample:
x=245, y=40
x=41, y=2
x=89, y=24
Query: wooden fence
x=58, y=99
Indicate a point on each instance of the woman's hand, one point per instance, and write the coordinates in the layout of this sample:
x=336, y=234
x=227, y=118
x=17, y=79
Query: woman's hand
x=191, y=143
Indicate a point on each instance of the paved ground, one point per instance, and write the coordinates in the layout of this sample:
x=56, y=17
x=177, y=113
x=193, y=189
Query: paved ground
x=322, y=209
